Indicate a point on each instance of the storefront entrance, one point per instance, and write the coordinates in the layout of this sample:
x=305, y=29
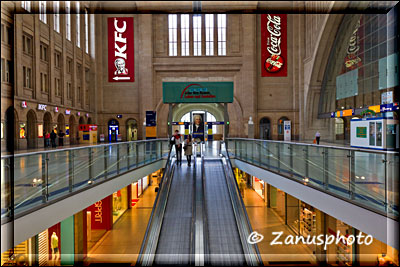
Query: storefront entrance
x=113, y=130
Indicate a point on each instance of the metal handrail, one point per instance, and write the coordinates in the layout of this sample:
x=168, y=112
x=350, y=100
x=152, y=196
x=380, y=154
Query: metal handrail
x=351, y=183
x=314, y=145
x=251, y=251
x=80, y=147
x=151, y=236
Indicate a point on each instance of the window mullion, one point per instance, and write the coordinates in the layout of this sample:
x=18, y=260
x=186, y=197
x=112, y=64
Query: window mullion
x=178, y=37
x=203, y=34
x=191, y=39
x=215, y=33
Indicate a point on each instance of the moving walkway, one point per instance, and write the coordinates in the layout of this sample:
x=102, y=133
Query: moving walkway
x=198, y=217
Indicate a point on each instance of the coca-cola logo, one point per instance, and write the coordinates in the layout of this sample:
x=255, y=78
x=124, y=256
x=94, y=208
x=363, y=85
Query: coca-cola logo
x=275, y=62
x=352, y=61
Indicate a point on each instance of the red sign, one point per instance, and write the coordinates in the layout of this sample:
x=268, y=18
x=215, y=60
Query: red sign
x=101, y=214
x=273, y=45
x=121, y=60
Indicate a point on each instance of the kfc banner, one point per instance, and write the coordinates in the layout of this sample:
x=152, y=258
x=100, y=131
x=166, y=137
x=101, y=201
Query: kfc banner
x=273, y=45
x=121, y=57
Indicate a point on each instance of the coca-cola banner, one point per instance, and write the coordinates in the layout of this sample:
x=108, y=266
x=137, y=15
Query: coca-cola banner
x=273, y=45
x=121, y=57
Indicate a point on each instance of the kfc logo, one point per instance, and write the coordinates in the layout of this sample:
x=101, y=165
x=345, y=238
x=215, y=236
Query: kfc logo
x=120, y=49
x=120, y=65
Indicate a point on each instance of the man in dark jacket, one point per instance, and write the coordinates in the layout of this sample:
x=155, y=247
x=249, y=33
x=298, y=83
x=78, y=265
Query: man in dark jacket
x=61, y=138
x=53, y=137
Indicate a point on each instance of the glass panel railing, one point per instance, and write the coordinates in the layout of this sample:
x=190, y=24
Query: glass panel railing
x=29, y=181
x=368, y=178
x=5, y=187
x=338, y=171
x=57, y=171
x=369, y=173
x=98, y=163
x=123, y=158
x=39, y=177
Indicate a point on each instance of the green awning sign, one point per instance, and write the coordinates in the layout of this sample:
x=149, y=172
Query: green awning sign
x=361, y=132
x=198, y=92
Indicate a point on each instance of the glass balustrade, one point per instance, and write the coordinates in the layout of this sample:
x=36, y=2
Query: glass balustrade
x=367, y=178
x=38, y=177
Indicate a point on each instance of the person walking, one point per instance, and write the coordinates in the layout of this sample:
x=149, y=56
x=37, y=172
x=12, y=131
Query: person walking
x=53, y=137
x=242, y=187
x=47, y=139
x=61, y=138
x=188, y=149
x=177, y=141
x=317, y=137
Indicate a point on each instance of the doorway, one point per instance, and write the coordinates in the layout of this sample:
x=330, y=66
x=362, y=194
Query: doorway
x=113, y=130
x=31, y=131
x=131, y=130
x=265, y=129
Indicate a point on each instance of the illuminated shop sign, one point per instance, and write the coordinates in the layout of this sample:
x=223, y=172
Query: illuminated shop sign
x=24, y=104
x=22, y=130
x=55, y=109
x=40, y=130
x=67, y=111
x=273, y=45
x=42, y=107
x=120, y=50
x=98, y=212
x=78, y=113
x=195, y=92
x=87, y=115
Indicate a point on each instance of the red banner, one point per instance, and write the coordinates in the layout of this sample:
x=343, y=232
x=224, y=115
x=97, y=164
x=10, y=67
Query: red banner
x=121, y=57
x=273, y=45
x=101, y=214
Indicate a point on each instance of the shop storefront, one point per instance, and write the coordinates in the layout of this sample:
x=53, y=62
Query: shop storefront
x=259, y=186
x=120, y=203
x=24, y=254
x=138, y=188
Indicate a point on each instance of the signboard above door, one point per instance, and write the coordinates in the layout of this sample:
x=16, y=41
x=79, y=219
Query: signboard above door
x=197, y=92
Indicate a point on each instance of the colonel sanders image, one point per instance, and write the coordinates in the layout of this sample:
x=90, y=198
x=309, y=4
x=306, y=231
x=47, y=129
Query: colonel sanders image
x=120, y=65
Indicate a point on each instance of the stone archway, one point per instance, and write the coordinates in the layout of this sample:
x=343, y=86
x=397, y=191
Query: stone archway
x=31, y=129
x=131, y=130
x=47, y=123
x=60, y=123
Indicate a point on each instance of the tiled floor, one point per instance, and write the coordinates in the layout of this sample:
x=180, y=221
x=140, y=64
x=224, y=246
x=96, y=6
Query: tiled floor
x=122, y=243
x=265, y=221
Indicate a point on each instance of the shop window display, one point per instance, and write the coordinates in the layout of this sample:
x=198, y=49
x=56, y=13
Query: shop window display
x=120, y=203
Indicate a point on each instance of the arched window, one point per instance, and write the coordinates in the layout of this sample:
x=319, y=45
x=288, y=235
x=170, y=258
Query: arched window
x=209, y=118
x=265, y=129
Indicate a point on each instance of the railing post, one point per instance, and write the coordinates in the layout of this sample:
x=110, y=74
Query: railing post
x=306, y=161
x=279, y=156
x=105, y=162
x=117, y=158
x=90, y=163
x=326, y=167
x=44, y=180
x=259, y=153
x=137, y=154
x=291, y=160
x=71, y=170
x=352, y=175
x=127, y=156
x=385, y=161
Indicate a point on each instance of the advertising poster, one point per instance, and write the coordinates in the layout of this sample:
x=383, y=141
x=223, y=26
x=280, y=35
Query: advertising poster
x=198, y=126
x=273, y=45
x=121, y=53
